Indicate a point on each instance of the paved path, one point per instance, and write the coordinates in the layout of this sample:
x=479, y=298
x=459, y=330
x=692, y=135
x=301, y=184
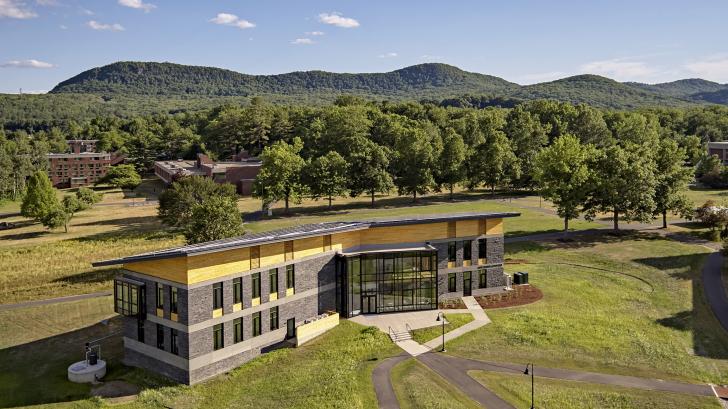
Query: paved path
x=383, y=382
x=48, y=301
x=480, y=318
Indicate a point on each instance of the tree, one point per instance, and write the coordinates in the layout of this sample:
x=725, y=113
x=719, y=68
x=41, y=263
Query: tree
x=527, y=136
x=40, y=197
x=708, y=171
x=450, y=169
x=56, y=217
x=563, y=173
x=327, y=176
x=213, y=218
x=177, y=202
x=280, y=173
x=87, y=197
x=122, y=176
x=368, y=164
x=497, y=165
x=672, y=180
x=415, y=163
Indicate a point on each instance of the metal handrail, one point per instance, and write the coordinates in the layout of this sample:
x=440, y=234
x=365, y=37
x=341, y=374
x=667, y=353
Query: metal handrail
x=406, y=325
x=391, y=333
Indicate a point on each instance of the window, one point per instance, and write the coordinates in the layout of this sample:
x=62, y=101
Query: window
x=290, y=276
x=451, y=251
x=217, y=337
x=467, y=249
x=237, y=290
x=288, y=249
x=256, y=324
x=451, y=283
x=173, y=300
x=274, y=318
x=482, y=279
x=482, y=248
x=327, y=242
x=217, y=296
x=174, y=347
x=273, y=275
x=140, y=331
x=256, y=285
x=237, y=330
x=160, y=296
x=255, y=257
x=160, y=336
x=128, y=298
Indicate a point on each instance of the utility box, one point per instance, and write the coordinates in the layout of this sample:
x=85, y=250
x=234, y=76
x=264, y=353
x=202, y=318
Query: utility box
x=517, y=278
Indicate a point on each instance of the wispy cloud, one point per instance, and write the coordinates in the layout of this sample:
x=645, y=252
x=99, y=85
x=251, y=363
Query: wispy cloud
x=541, y=77
x=227, y=19
x=387, y=55
x=15, y=9
x=138, y=4
x=714, y=68
x=302, y=41
x=336, y=19
x=26, y=64
x=108, y=27
x=314, y=33
x=85, y=12
x=63, y=27
x=47, y=2
x=620, y=69
x=429, y=57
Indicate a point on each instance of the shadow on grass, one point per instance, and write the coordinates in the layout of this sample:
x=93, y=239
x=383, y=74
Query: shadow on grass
x=690, y=225
x=24, y=236
x=89, y=276
x=683, y=263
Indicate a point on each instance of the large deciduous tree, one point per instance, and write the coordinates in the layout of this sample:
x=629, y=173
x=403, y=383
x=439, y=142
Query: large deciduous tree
x=672, y=181
x=368, y=164
x=280, y=174
x=213, y=218
x=122, y=176
x=415, y=162
x=563, y=174
x=177, y=202
x=327, y=176
x=451, y=169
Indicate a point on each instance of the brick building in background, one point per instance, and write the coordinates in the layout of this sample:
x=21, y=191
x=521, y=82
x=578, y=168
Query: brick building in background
x=240, y=171
x=82, y=166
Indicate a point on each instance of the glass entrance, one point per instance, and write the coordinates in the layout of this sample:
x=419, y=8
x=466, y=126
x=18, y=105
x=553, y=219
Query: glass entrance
x=467, y=284
x=369, y=304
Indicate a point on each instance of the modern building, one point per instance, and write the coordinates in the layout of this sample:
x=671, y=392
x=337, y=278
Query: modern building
x=82, y=166
x=196, y=311
x=240, y=171
x=720, y=149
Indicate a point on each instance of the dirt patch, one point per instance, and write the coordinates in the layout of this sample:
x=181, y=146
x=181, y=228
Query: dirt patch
x=520, y=295
x=115, y=390
x=452, y=304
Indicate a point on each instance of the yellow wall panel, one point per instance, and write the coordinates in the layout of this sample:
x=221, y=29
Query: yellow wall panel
x=172, y=269
x=308, y=247
x=212, y=265
x=404, y=234
x=343, y=241
x=272, y=254
x=467, y=228
x=494, y=226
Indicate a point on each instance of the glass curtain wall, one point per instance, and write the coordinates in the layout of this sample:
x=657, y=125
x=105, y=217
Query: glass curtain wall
x=388, y=282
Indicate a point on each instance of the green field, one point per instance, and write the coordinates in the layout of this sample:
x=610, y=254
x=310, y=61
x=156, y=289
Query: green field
x=417, y=387
x=550, y=393
x=423, y=335
x=645, y=316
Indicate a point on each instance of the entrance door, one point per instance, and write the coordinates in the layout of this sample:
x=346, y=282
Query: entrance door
x=291, y=328
x=369, y=304
x=467, y=284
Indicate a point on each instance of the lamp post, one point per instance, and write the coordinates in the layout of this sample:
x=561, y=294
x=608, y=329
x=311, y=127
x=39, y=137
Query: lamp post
x=526, y=373
x=441, y=318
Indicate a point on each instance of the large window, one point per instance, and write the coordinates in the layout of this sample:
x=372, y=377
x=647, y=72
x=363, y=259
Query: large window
x=173, y=300
x=160, y=295
x=482, y=248
x=274, y=318
x=160, y=336
x=290, y=276
x=452, y=252
x=387, y=282
x=237, y=290
x=273, y=277
x=467, y=250
x=237, y=330
x=217, y=296
x=482, y=279
x=217, y=337
x=173, y=339
x=256, y=285
x=452, y=283
x=128, y=298
x=256, y=324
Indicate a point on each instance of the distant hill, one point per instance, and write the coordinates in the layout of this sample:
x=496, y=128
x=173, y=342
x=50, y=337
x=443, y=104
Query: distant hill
x=431, y=81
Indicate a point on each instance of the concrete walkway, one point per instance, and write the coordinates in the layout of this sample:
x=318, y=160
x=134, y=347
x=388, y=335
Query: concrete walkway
x=480, y=318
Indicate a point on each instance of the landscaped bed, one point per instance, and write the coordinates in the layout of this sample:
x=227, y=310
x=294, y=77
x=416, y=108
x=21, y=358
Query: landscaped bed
x=519, y=295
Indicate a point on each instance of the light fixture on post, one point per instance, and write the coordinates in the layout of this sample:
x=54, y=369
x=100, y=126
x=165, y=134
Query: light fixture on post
x=441, y=318
x=526, y=372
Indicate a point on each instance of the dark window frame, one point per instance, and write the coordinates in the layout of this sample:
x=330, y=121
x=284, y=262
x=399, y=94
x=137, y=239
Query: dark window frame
x=273, y=278
x=291, y=276
x=467, y=250
x=237, y=290
x=160, y=337
x=274, y=324
x=452, y=283
x=255, y=285
x=218, y=337
x=482, y=279
x=173, y=341
x=452, y=251
x=237, y=330
x=482, y=248
x=173, y=300
x=160, y=295
x=257, y=330
x=217, y=299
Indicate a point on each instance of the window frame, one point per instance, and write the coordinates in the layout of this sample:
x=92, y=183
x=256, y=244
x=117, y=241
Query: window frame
x=160, y=337
x=217, y=297
x=482, y=248
x=452, y=251
x=452, y=283
x=467, y=250
x=273, y=281
x=257, y=329
x=173, y=341
x=218, y=337
x=482, y=279
x=255, y=285
x=237, y=290
x=173, y=300
x=274, y=319
x=237, y=330
x=159, y=295
x=290, y=276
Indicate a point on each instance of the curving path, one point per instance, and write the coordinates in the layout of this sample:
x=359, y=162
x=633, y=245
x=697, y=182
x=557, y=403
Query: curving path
x=383, y=382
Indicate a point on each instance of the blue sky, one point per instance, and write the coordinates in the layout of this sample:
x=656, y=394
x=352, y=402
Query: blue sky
x=43, y=42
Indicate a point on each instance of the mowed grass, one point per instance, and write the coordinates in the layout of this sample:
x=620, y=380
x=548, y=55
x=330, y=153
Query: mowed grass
x=557, y=394
x=645, y=316
x=457, y=320
x=417, y=387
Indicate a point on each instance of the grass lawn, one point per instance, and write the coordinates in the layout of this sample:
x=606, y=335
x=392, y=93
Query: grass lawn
x=652, y=322
x=550, y=393
x=423, y=335
x=417, y=387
